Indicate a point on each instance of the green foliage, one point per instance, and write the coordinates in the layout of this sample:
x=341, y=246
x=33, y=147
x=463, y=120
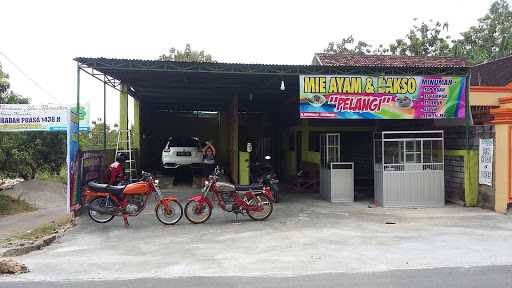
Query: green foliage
x=187, y=55
x=490, y=39
x=23, y=154
x=347, y=46
x=4, y=81
x=424, y=39
x=46, y=175
x=7, y=96
x=93, y=139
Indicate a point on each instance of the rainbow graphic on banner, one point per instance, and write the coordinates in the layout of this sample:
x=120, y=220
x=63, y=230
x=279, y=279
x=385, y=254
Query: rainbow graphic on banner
x=383, y=97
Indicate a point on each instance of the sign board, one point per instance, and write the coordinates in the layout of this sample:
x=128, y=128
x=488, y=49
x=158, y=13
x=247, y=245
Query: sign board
x=72, y=161
x=382, y=97
x=92, y=166
x=28, y=117
x=485, y=159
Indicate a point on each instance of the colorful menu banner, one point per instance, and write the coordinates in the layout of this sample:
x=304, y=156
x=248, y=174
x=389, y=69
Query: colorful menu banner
x=382, y=97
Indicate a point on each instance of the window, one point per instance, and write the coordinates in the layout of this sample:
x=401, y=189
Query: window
x=413, y=151
x=330, y=149
x=183, y=142
x=402, y=151
x=314, y=141
x=393, y=152
x=432, y=151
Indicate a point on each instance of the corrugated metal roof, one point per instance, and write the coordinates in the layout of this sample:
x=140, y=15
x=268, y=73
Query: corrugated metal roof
x=84, y=60
x=126, y=69
x=388, y=61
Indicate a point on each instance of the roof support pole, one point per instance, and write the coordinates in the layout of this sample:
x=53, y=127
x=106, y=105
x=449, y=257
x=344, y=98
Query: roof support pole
x=123, y=115
x=467, y=112
x=78, y=101
x=136, y=131
x=104, y=116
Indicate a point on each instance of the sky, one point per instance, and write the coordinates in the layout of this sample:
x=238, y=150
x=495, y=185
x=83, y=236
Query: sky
x=43, y=37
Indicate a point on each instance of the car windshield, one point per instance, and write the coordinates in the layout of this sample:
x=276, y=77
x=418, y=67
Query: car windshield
x=183, y=142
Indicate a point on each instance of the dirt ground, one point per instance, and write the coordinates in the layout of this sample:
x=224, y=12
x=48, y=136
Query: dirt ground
x=48, y=197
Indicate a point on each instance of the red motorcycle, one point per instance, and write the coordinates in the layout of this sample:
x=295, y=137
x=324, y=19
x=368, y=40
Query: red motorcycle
x=104, y=201
x=253, y=200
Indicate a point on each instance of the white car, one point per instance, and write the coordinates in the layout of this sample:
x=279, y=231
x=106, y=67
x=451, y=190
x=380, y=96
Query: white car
x=181, y=151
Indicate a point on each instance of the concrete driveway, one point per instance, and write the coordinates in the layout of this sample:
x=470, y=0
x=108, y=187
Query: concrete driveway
x=305, y=235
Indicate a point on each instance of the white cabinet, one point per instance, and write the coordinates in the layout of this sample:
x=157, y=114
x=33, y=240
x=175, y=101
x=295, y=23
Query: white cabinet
x=337, y=182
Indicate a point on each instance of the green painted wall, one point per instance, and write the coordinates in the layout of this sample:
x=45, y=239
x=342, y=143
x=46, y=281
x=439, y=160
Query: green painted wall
x=123, y=113
x=309, y=156
x=470, y=174
x=136, y=123
x=243, y=167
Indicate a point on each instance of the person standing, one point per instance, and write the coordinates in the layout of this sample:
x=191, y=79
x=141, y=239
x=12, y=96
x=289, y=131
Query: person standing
x=208, y=160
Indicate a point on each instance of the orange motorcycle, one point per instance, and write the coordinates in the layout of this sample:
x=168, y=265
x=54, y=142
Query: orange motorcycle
x=104, y=201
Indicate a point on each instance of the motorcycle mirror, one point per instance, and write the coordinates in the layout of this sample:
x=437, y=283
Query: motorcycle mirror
x=268, y=157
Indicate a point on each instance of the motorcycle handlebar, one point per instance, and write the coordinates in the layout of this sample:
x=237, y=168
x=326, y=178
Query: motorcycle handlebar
x=145, y=176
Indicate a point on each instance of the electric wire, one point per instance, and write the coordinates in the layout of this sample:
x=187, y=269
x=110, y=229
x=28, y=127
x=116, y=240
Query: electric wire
x=30, y=78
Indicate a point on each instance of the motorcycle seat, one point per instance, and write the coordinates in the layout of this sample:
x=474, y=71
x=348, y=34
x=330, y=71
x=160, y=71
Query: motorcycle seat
x=116, y=190
x=249, y=187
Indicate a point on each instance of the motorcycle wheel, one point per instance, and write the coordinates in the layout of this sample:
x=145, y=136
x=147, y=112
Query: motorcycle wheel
x=97, y=216
x=265, y=203
x=197, y=213
x=174, y=215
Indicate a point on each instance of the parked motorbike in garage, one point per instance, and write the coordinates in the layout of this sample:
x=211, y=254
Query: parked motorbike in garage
x=263, y=173
x=104, y=201
x=253, y=200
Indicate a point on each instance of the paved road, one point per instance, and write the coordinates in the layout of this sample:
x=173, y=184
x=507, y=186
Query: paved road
x=305, y=235
x=489, y=277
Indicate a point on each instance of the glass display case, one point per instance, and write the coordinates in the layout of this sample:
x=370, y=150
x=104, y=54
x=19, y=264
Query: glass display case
x=409, y=168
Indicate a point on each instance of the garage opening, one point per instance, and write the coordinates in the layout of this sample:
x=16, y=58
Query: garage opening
x=172, y=142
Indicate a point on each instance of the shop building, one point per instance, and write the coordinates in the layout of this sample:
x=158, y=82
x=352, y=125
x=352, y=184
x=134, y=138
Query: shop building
x=491, y=104
x=339, y=110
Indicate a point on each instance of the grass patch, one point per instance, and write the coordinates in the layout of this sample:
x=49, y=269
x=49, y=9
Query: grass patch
x=10, y=205
x=41, y=231
x=49, y=176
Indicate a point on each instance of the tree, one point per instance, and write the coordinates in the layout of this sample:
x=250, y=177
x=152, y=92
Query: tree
x=490, y=39
x=347, y=46
x=7, y=96
x=27, y=153
x=93, y=139
x=4, y=81
x=425, y=39
x=187, y=55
